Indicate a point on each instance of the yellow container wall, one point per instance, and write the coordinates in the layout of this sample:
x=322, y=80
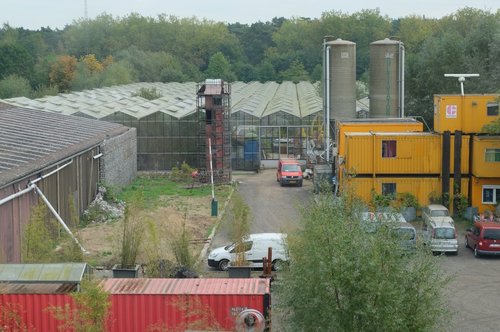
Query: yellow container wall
x=420, y=187
x=344, y=128
x=414, y=154
x=465, y=113
x=481, y=167
x=477, y=192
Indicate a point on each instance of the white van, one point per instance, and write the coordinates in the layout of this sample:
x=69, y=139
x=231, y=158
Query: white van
x=256, y=249
x=441, y=236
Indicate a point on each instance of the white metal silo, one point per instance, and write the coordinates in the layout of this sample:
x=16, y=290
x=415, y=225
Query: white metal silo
x=386, y=78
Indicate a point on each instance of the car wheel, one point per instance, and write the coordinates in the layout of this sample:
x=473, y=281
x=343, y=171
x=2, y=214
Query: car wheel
x=278, y=265
x=281, y=183
x=300, y=183
x=223, y=265
x=476, y=253
x=466, y=243
x=436, y=253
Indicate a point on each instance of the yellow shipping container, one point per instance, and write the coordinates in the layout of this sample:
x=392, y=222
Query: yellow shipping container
x=485, y=193
x=486, y=156
x=467, y=113
x=412, y=153
x=375, y=125
x=421, y=187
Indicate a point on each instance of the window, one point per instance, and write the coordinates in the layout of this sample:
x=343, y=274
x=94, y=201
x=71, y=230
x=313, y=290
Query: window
x=492, y=155
x=492, y=109
x=389, y=149
x=491, y=194
x=388, y=189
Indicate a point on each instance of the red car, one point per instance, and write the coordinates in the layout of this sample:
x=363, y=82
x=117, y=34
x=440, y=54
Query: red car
x=483, y=238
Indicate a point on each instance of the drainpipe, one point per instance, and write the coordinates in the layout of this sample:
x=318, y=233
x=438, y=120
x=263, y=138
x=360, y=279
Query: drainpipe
x=28, y=189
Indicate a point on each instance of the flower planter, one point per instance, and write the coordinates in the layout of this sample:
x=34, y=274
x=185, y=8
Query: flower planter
x=239, y=271
x=131, y=271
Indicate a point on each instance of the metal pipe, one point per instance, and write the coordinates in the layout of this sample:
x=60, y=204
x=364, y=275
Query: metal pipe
x=11, y=197
x=28, y=189
x=50, y=173
x=211, y=167
x=58, y=217
x=402, y=79
x=327, y=124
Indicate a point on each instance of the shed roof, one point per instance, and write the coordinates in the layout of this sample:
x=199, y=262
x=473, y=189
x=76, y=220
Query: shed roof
x=179, y=100
x=43, y=273
x=32, y=140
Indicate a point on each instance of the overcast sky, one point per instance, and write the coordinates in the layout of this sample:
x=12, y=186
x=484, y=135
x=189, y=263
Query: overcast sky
x=33, y=14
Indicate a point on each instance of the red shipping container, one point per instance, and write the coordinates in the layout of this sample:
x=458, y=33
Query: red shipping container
x=151, y=304
x=185, y=304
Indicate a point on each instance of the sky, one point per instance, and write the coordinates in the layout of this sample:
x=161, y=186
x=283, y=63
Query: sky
x=34, y=14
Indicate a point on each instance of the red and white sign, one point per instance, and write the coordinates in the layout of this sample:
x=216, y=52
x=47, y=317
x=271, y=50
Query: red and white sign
x=451, y=111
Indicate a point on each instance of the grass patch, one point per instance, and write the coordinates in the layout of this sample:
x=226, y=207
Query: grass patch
x=152, y=188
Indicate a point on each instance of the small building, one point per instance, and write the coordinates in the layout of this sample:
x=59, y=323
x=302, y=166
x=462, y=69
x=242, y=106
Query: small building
x=59, y=158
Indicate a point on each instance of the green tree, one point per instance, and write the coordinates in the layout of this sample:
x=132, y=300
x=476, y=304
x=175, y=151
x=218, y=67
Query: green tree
x=91, y=309
x=342, y=278
x=38, y=241
x=14, y=86
x=296, y=73
x=15, y=59
x=219, y=67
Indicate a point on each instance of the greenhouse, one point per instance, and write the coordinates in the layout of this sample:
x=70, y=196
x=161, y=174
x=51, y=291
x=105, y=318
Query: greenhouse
x=267, y=120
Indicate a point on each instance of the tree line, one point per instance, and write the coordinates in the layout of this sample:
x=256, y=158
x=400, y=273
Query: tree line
x=119, y=50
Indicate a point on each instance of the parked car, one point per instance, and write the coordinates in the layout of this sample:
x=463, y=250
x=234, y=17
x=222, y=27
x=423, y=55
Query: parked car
x=256, y=249
x=436, y=212
x=289, y=172
x=440, y=235
x=483, y=238
x=399, y=227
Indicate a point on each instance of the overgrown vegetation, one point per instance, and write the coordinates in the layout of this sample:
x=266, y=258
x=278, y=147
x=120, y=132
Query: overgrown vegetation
x=342, y=278
x=90, y=311
x=238, y=215
x=149, y=94
x=132, y=232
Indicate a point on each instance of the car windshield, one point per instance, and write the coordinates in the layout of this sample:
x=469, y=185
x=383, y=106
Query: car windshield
x=444, y=233
x=439, y=213
x=404, y=233
x=491, y=234
x=291, y=168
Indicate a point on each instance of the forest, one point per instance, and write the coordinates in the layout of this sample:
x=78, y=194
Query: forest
x=112, y=50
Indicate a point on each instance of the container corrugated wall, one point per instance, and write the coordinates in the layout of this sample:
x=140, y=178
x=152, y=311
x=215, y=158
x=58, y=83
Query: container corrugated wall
x=420, y=187
x=183, y=304
x=477, y=192
x=468, y=113
x=33, y=311
x=481, y=167
x=415, y=154
x=156, y=304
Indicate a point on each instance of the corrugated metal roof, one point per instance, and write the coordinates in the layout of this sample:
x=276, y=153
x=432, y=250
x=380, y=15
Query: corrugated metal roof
x=218, y=286
x=31, y=140
x=179, y=100
x=37, y=288
x=43, y=273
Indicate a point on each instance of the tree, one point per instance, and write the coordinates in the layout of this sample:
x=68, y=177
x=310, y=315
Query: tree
x=15, y=59
x=62, y=72
x=219, y=67
x=14, y=86
x=296, y=73
x=342, y=278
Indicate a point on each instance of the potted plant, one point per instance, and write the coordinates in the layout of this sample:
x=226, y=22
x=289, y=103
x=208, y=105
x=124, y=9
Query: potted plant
x=132, y=233
x=408, y=204
x=239, y=230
